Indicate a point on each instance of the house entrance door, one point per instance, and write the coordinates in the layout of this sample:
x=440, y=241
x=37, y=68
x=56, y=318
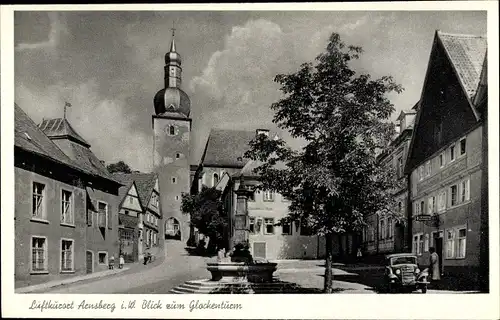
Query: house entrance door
x=439, y=251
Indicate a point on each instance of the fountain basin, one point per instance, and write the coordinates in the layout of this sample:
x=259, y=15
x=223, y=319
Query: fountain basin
x=241, y=272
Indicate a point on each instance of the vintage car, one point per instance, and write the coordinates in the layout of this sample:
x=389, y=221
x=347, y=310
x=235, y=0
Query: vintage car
x=402, y=273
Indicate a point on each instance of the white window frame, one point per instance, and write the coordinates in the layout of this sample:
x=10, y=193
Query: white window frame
x=265, y=224
x=460, y=147
x=444, y=197
x=442, y=160
x=382, y=229
x=453, y=155
x=106, y=260
x=428, y=168
x=417, y=207
x=72, y=255
x=464, y=197
x=431, y=205
x=71, y=208
x=390, y=228
x=400, y=166
x=421, y=173
x=43, y=205
x=447, y=244
x=99, y=212
x=45, y=254
x=214, y=182
x=420, y=248
x=457, y=194
x=251, y=222
x=426, y=242
x=458, y=238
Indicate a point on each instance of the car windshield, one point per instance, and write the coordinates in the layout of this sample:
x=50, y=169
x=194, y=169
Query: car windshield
x=404, y=260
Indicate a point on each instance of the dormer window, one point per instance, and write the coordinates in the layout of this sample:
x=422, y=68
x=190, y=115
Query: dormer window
x=215, y=179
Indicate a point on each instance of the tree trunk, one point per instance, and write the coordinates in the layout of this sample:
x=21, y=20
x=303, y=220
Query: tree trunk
x=328, y=264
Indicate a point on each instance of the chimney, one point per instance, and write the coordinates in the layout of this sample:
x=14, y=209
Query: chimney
x=262, y=131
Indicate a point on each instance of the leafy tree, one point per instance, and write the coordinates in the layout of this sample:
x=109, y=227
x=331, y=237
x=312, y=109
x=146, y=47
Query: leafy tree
x=119, y=166
x=334, y=181
x=207, y=215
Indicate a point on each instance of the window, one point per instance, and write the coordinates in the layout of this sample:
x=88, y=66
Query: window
x=442, y=201
x=103, y=258
x=382, y=229
x=176, y=198
x=171, y=130
x=431, y=205
x=126, y=237
x=417, y=208
x=268, y=195
x=400, y=207
x=441, y=160
x=38, y=201
x=269, y=226
x=463, y=145
x=251, y=197
x=420, y=244
x=103, y=214
x=67, y=207
x=421, y=173
x=177, y=155
x=251, y=223
x=422, y=207
x=400, y=167
x=66, y=255
x=428, y=169
x=462, y=240
x=38, y=254
x=415, y=244
x=453, y=195
x=215, y=179
x=450, y=243
x=426, y=243
x=452, y=153
x=174, y=180
x=286, y=228
x=464, y=191
x=389, y=228
x=258, y=226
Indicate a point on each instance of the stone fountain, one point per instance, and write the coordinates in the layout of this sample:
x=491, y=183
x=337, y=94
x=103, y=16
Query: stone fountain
x=238, y=272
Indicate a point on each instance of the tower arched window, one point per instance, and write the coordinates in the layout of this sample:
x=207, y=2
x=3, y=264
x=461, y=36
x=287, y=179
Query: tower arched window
x=215, y=179
x=171, y=130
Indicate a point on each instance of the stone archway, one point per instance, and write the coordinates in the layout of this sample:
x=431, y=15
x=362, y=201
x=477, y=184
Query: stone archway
x=173, y=229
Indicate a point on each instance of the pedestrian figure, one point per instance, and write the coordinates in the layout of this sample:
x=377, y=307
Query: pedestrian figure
x=112, y=262
x=434, y=265
x=122, y=261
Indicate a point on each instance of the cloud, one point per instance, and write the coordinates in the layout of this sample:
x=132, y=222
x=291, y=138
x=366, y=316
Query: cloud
x=102, y=122
x=57, y=30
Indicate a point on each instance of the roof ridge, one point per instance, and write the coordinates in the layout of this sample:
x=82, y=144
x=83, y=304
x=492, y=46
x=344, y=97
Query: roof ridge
x=461, y=34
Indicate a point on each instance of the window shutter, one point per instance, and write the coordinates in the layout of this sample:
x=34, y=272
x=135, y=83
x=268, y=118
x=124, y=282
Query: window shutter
x=109, y=220
x=467, y=190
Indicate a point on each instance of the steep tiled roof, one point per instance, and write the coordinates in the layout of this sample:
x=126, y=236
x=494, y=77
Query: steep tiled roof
x=123, y=191
x=144, y=182
x=224, y=147
x=466, y=53
x=78, y=149
x=61, y=128
x=30, y=138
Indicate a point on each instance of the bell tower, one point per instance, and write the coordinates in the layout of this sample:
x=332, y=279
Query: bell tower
x=171, y=144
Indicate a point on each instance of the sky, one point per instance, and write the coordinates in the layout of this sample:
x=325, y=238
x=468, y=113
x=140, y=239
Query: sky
x=109, y=65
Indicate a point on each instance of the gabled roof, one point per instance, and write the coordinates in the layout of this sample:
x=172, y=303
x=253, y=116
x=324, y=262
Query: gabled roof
x=29, y=137
x=466, y=53
x=60, y=128
x=124, y=190
x=224, y=147
x=144, y=182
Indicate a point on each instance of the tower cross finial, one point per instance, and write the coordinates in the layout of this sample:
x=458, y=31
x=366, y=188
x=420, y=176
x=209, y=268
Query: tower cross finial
x=173, y=28
x=66, y=105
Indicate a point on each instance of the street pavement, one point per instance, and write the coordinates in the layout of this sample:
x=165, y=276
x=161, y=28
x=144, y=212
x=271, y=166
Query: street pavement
x=179, y=267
